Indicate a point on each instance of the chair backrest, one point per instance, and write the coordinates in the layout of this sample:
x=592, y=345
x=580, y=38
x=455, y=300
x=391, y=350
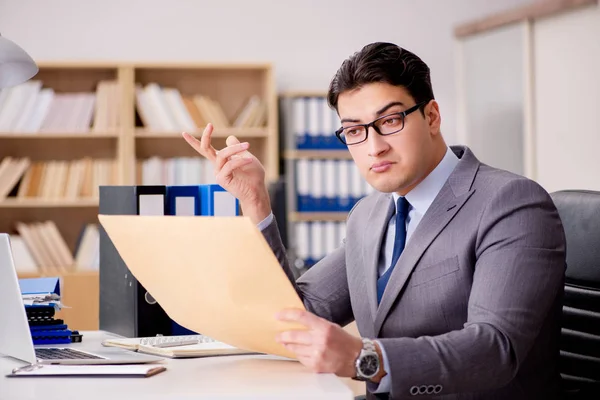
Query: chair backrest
x=580, y=334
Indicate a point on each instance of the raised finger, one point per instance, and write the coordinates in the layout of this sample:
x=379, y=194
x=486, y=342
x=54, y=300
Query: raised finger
x=193, y=142
x=207, y=149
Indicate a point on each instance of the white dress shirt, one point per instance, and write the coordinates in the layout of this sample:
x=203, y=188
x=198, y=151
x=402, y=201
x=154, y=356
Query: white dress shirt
x=419, y=199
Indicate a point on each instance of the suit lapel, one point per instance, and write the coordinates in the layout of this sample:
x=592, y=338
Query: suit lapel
x=440, y=213
x=377, y=222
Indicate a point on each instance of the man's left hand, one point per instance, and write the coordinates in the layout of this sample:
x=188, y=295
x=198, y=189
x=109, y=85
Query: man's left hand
x=324, y=348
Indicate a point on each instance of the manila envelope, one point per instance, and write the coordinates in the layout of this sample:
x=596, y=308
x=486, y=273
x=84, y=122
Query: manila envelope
x=214, y=275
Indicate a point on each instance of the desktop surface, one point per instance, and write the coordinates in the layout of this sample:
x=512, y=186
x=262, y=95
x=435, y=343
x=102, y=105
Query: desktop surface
x=240, y=376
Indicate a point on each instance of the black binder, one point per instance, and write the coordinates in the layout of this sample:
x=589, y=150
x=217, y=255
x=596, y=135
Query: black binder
x=126, y=308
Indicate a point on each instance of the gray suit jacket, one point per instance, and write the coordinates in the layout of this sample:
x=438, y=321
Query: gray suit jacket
x=472, y=308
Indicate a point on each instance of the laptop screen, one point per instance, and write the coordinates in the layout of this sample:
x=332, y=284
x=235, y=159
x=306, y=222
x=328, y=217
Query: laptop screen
x=15, y=338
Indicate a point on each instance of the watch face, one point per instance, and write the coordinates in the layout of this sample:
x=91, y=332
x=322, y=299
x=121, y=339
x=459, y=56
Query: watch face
x=369, y=365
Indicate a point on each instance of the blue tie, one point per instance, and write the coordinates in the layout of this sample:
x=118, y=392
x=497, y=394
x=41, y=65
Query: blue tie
x=399, y=242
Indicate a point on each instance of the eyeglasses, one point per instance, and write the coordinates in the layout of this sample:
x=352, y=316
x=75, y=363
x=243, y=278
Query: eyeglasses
x=384, y=125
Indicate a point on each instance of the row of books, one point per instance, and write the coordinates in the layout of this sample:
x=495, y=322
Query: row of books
x=175, y=171
x=314, y=240
x=51, y=180
x=165, y=109
x=314, y=124
x=31, y=108
x=328, y=185
x=39, y=247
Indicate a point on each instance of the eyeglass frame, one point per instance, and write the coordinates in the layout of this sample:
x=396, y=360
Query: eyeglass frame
x=404, y=114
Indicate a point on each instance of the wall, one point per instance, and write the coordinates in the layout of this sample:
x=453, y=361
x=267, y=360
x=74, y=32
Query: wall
x=306, y=40
x=567, y=100
x=493, y=80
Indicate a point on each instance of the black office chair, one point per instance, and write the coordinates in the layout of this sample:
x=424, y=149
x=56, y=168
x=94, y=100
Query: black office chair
x=580, y=335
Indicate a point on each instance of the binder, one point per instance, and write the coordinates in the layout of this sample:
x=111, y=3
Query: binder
x=313, y=108
x=317, y=188
x=203, y=200
x=183, y=200
x=125, y=306
x=300, y=124
x=44, y=329
x=303, y=183
x=216, y=201
x=344, y=199
x=331, y=198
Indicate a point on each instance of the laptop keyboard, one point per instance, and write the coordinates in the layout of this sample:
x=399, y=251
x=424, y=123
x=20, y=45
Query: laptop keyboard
x=52, y=353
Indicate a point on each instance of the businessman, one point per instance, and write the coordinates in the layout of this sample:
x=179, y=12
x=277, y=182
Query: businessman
x=452, y=269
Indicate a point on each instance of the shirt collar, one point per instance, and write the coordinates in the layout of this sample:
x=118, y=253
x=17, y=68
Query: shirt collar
x=422, y=195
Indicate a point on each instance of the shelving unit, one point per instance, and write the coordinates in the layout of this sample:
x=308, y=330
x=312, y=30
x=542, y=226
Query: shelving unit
x=127, y=141
x=308, y=127
x=70, y=215
x=229, y=84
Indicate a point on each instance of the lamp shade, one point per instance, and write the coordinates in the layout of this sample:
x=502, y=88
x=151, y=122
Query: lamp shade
x=16, y=66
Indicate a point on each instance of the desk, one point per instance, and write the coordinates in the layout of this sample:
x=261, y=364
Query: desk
x=232, y=377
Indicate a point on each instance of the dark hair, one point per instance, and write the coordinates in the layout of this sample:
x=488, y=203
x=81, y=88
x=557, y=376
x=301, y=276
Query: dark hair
x=382, y=62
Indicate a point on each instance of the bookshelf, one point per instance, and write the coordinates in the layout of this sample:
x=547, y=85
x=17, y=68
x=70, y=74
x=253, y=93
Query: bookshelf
x=76, y=130
x=322, y=182
x=231, y=87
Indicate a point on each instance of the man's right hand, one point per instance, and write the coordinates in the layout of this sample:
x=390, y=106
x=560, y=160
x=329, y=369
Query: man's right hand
x=238, y=171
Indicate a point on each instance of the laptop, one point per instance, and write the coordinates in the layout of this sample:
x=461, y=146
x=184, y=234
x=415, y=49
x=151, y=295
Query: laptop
x=15, y=336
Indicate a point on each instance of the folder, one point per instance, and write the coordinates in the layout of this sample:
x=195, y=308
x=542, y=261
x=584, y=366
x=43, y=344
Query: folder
x=226, y=282
x=49, y=285
x=126, y=308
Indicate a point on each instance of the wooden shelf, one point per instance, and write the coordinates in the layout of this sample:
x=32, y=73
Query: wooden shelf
x=319, y=154
x=42, y=274
x=317, y=216
x=140, y=133
x=41, y=203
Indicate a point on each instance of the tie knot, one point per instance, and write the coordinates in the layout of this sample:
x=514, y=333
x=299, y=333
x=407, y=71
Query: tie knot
x=402, y=206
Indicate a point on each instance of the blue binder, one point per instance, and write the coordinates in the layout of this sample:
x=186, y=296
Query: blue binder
x=212, y=201
x=205, y=199
x=186, y=198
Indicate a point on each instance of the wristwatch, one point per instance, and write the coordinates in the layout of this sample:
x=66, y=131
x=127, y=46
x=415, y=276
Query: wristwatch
x=367, y=363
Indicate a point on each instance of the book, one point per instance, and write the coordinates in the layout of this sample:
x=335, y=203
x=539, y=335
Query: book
x=185, y=346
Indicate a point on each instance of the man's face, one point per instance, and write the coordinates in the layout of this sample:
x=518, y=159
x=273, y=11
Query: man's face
x=398, y=162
